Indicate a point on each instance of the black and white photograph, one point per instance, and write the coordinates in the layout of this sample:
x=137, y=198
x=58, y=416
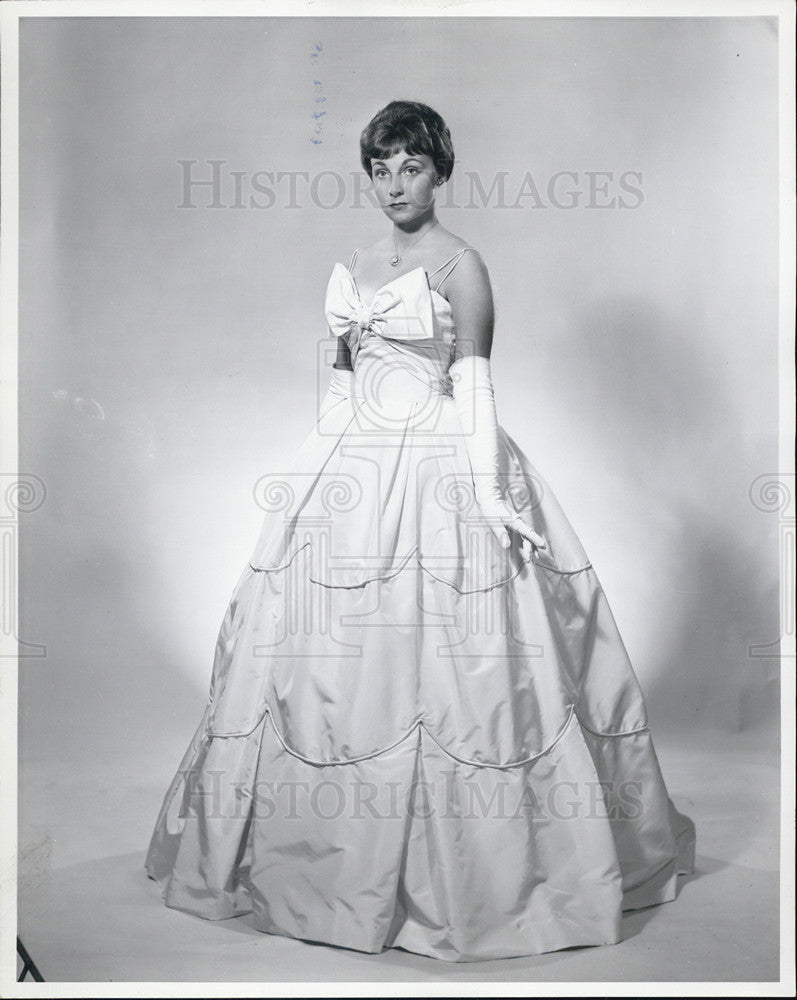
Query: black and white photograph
x=398, y=499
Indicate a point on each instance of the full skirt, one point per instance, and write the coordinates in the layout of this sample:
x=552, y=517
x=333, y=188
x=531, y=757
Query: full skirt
x=413, y=737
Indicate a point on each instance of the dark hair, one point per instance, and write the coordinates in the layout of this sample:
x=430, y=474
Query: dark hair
x=411, y=126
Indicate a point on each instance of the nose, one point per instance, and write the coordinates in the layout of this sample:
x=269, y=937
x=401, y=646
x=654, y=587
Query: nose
x=396, y=188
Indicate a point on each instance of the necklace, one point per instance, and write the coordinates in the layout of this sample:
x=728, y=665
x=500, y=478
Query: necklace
x=396, y=259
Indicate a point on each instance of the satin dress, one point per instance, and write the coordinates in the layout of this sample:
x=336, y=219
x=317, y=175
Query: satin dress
x=413, y=737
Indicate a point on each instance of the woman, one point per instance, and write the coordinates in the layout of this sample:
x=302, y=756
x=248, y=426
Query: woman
x=423, y=729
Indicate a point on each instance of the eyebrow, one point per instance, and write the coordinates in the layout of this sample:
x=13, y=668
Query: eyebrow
x=375, y=163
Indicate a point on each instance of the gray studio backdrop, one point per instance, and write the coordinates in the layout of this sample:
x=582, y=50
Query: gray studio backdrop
x=620, y=180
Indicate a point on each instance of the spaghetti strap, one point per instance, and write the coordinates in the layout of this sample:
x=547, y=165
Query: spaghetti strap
x=353, y=259
x=451, y=263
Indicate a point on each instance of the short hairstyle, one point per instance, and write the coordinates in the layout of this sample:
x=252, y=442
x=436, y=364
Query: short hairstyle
x=411, y=126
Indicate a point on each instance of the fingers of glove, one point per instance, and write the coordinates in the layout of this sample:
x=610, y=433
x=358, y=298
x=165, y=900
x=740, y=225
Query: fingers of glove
x=528, y=533
x=500, y=512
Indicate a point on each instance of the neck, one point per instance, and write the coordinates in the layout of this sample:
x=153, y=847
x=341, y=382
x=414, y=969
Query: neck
x=406, y=232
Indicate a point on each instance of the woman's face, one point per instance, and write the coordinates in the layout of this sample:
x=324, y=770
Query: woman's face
x=404, y=185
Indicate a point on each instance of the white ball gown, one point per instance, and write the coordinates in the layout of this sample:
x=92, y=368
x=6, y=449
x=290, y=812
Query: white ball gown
x=413, y=737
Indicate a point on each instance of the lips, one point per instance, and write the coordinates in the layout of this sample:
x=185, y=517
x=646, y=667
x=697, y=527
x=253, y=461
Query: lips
x=398, y=204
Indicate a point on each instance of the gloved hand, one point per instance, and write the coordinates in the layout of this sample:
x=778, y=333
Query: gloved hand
x=474, y=398
x=341, y=386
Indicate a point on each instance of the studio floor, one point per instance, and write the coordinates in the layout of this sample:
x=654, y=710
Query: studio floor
x=88, y=912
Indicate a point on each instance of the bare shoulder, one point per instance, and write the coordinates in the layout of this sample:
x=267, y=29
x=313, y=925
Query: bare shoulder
x=472, y=264
x=470, y=276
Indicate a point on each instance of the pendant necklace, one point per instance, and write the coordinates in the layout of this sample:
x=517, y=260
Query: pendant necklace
x=396, y=259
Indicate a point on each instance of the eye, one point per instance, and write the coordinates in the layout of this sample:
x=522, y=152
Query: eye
x=380, y=173
x=412, y=170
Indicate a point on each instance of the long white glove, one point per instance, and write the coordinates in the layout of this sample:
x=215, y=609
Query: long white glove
x=474, y=398
x=341, y=386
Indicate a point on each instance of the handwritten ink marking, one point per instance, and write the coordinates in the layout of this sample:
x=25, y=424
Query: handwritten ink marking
x=318, y=90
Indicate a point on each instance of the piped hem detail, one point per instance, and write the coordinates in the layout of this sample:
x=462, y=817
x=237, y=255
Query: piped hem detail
x=388, y=574
x=421, y=725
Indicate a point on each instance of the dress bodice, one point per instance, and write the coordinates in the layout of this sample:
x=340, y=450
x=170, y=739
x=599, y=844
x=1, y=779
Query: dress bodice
x=403, y=339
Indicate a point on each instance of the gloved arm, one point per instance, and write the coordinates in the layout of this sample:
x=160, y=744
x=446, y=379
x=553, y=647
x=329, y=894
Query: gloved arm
x=341, y=384
x=474, y=398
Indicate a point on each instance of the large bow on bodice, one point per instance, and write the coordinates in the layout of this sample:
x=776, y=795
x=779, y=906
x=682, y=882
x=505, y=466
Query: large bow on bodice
x=401, y=309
